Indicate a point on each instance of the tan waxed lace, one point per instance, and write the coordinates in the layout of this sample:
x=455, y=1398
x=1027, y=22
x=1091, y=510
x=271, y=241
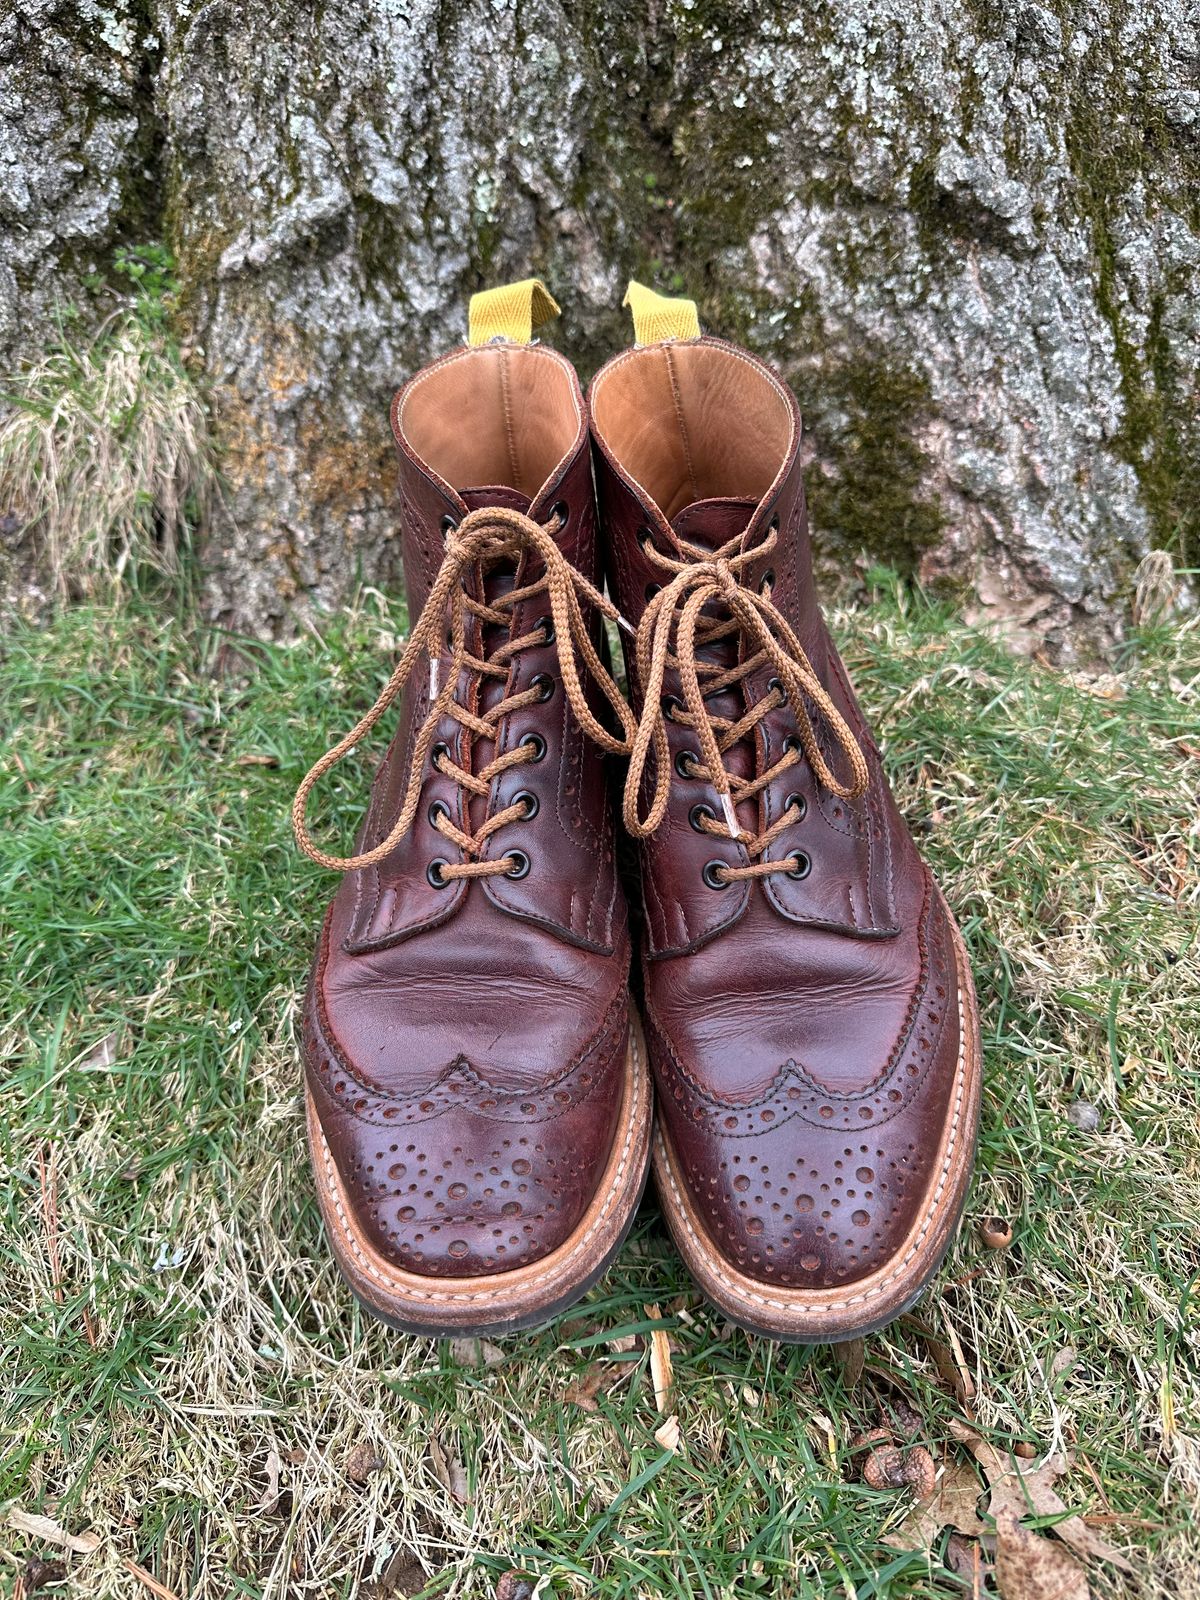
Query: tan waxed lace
x=713, y=578
x=485, y=537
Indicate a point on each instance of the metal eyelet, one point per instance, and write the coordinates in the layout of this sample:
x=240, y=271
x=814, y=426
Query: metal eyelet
x=449, y=523
x=686, y=763
x=520, y=864
x=438, y=808
x=711, y=875
x=562, y=511
x=536, y=743
x=530, y=801
x=671, y=704
x=701, y=813
x=791, y=744
x=546, y=626
x=439, y=749
x=767, y=581
x=645, y=537
x=796, y=799
x=543, y=683
x=803, y=865
x=773, y=525
x=775, y=686
x=434, y=873
x=651, y=590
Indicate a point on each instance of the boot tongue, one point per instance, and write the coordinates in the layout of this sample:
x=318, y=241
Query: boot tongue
x=712, y=523
x=495, y=494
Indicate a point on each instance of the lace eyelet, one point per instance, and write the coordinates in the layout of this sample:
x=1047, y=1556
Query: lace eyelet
x=438, y=808
x=651, y=590
x=520, y=864
x=534, y=742
x=803, y=865
x=671, y=704
x=439, y=749
x=562, y=511
x=434, y=873
x=686, y=763
x=645, y=537
x=796, y=799
x=546, y=626
x=791, y=744
x=775, y=686
x=543, y=683
x=773, y=525
x=449, y=522
x=767, y=581
x=530, y=801
x=713, y=875
x=699, y=814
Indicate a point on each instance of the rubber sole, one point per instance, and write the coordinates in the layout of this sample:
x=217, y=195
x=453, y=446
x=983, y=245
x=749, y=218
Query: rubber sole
x=502, y=1302
x=829, y=1316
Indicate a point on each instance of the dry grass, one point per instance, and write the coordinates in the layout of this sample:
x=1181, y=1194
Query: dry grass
x=190, y=1383
x=105, y=457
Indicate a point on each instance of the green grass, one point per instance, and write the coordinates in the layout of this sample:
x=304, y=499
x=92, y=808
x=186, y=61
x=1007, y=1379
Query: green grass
x=175, y=1340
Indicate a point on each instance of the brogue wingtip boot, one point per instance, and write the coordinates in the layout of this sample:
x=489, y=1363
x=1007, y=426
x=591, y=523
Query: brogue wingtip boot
x=478, y=1100
x=809, y=1008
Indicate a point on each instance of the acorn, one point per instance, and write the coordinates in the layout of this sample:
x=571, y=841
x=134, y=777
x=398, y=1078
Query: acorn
x=996, y=1233
x=889, y=1468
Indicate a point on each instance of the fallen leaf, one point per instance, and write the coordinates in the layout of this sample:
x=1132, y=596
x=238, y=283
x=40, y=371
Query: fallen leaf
x=1029, y=1491
x=477, y=1353
x=362, y=1462
x=582, y=1391
x=668, y=1435
x=38, y=1574
x=51, y=1532
x=948, y=1358
x=1029, y=1566
x=954, y=1503
x=101, y=1055
x=624, y=1344
x=448, y=1470
x=970, y=1560
x=849, y=1357
x=270, y=1495
x=402, y=1576
x=254, y=758
x=661, y=1371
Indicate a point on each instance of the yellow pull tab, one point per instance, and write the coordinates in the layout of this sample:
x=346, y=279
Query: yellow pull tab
x=655, y=317
x=511, y=311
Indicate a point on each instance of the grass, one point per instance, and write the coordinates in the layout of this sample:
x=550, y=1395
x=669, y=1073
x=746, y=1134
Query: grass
x=188, y=1381
x=106, y=459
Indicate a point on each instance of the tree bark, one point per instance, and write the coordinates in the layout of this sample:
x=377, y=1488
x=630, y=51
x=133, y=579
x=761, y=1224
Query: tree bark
x=969, y=233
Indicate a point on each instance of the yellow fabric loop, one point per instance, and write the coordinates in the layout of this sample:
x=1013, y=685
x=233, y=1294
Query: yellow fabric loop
x=656, y=317
x=511, y=311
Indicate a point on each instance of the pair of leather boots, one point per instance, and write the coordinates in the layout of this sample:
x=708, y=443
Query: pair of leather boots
x=800, y=1058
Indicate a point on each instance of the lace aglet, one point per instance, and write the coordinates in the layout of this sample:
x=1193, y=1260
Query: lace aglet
x=731, y=821
x=435, y=678
x=623, y=622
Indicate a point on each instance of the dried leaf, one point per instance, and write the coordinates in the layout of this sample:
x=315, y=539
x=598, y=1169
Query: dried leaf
x=954, y=1503
x=403, y=1576
x=1029, y=1491
x=253, y=758
x=102, y=1054
x=669, y=1436
x=448, y=1470
x=849, y=1357
x=624, y=1344
x=582, y=1391
x=661, y=1372
x=1029, y=1566
x=270, y=1495
x=362, y=1462
x=51, y=1532
x=969, y=1559
x=477, y=1353
x=38, y=1574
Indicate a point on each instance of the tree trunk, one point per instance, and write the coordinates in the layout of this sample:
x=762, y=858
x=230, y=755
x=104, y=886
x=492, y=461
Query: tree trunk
x=967, y=230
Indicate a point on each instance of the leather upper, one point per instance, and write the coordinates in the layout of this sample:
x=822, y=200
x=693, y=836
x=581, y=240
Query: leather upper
x=804, y=1030
x=465, y=1043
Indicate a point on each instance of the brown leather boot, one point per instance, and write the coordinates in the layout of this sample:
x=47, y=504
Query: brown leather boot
x=478, y=1104
x=810, y=1013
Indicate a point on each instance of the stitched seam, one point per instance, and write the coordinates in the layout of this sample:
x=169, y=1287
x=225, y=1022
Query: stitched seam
x=735, y=1287
x=506, y=410
x=386, y=1278
x=677, y=399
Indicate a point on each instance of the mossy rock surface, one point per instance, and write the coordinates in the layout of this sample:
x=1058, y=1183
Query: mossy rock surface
x=969, y=234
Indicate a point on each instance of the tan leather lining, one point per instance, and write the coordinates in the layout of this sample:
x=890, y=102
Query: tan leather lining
x=494, y=414
x=693, y=421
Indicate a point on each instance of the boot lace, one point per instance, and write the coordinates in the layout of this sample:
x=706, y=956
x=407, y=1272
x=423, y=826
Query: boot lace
x=484, y=538
x=703, y=603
